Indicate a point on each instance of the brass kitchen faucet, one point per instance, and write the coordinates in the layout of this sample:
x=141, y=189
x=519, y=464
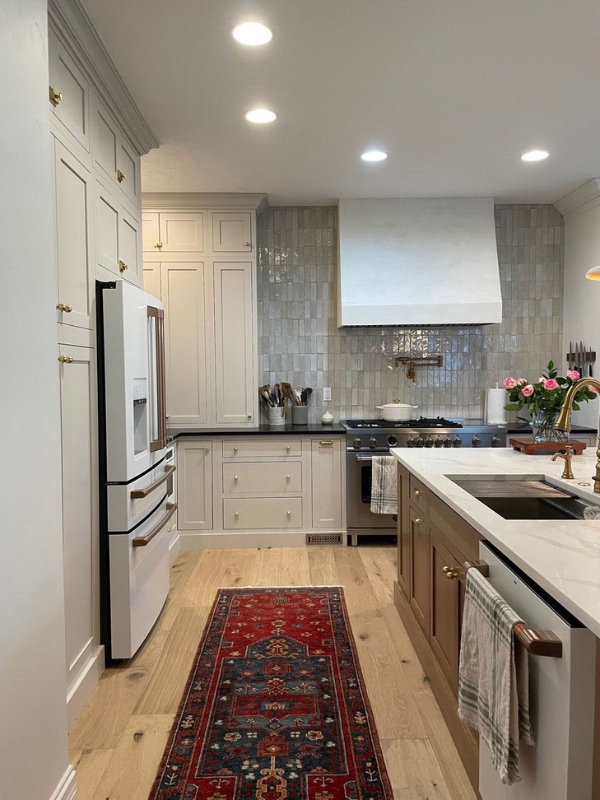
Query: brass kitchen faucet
x=563, y=423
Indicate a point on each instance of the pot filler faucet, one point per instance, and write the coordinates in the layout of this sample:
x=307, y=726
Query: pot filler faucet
x=563, y=423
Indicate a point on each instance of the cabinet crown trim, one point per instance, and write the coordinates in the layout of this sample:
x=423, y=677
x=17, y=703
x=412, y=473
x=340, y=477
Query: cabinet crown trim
x=187, y=201
x=72, y=22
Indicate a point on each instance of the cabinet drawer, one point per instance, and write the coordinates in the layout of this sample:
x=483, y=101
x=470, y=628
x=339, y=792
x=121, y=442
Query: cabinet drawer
x=462, y=538
x=268, y=513
x=275, y=446
x=419, y=494
x=262, y=478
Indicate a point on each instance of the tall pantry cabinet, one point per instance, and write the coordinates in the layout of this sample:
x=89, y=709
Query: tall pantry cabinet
x=97, y=138
x=200, y=260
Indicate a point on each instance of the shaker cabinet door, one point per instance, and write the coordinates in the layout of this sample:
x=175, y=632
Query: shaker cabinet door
x=194, y=485
x=69, y=92
x=129, y=248
x=181, y=233
x=445, y=613
x=72, y=189
x=234, y=342
x=107, y=229
x=232, y=232
x=326, y=467
x=419, y=556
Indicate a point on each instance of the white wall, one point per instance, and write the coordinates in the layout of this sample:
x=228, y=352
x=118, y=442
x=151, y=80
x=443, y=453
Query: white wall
x=33, y=715
x=581, y=320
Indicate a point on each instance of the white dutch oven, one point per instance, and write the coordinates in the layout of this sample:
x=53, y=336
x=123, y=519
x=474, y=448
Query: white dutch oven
x=397, y=411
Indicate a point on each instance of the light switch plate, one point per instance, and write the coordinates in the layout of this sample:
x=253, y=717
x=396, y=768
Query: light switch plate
x=327, y=394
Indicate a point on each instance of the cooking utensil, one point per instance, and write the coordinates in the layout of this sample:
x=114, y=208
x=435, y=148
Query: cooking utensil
x=570, y=355
x=397, y=411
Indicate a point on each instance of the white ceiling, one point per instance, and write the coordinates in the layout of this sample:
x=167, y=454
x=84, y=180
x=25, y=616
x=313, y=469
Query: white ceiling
x=454, y=90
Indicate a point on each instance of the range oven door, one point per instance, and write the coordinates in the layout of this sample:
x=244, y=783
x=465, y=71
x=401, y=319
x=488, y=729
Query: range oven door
x=358, y=497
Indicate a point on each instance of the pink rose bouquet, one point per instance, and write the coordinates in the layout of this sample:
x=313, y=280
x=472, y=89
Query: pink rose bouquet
x=547, y=394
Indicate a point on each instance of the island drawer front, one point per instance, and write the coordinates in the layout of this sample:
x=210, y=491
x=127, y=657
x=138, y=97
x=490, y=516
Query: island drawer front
x=462, y=537
x=265, y=477
x=272, y=513
x=273, y=447
x=419, y=494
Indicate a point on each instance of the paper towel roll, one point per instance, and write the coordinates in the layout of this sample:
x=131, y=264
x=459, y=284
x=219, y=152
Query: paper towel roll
x=495, y=400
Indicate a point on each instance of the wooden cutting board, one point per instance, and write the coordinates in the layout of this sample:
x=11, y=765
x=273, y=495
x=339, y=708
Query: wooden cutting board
x=531, y=448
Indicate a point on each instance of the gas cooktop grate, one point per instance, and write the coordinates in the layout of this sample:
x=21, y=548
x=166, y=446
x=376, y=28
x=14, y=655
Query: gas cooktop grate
x=422, y=422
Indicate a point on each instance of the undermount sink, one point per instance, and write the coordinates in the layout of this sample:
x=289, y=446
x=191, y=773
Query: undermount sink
x=523, y=496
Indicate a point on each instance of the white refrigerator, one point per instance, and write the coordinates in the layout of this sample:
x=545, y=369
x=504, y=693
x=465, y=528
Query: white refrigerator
x=134, y=506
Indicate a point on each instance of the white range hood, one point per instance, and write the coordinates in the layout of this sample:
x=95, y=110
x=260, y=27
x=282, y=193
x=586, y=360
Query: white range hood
x=418, y=262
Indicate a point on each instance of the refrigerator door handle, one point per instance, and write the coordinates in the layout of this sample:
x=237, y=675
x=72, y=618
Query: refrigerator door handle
x=159, y=327
x=142, y=541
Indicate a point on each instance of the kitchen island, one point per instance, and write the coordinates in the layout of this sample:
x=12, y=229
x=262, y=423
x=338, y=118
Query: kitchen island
x=441, y=526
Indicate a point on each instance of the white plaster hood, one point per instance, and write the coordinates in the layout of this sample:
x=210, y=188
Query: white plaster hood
x=415, y=262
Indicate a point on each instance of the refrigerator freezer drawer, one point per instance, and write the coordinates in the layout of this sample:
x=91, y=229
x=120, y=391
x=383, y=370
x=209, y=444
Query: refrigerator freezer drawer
x=128, y=504
x=139, y=582
x=561, y=701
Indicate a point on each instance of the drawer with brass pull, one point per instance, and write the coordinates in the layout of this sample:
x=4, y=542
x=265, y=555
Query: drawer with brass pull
x=419, y=494
x=264, y=477
x=253, y=447
x=264, y=513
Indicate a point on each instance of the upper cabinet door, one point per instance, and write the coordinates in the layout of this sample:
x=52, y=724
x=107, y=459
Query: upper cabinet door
x=69, y=92
x=72, y=204
x=232, y=232
x=181, y=233
x=113, y=155
x=128, y=171
x=152, y=279
x=129, y=248
x=234, y=342
x=107, y=229
x=150, y=232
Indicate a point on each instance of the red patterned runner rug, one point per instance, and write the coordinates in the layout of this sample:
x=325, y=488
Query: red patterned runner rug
x=275, y=707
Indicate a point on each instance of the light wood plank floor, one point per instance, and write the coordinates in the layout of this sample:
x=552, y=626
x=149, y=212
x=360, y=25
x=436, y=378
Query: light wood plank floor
x=117, y=742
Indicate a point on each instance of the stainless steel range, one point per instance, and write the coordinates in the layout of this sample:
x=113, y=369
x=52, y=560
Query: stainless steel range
x=368, y=437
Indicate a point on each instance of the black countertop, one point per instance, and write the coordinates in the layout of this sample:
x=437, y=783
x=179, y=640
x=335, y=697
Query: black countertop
x=524, y=427
x=288, y=430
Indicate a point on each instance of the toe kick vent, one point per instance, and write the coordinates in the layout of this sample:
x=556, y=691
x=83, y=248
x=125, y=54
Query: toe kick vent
x=324, y=538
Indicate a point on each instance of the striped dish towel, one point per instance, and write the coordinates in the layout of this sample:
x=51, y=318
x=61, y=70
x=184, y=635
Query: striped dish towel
x=493, y=681
x=384, y=485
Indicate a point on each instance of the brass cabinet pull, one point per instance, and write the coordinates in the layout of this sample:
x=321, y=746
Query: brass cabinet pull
x=122, y=266
x=247, y=244
x=142, y=541
x=237, y=514
x=121, y=176
x=64, y=307
x=450, y=572
x=418, y=493
x=207, y=448
x=235, y=478
x=287, y=448
x=235, y=449
x=289, y=514
x=55, y=97
x=65, y=359
x=158, y=244
x=326, y=443
x=418, y=521
x=137, y=493
x=288, y=478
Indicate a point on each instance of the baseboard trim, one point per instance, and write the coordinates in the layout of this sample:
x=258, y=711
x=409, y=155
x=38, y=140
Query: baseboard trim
x=83, y=686
x=174, y=548
x=67, y=788
x=221, y=540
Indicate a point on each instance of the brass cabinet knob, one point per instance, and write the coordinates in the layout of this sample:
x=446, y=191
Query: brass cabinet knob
x=55, y=97
x=235, y=478
x=289, y=514
x=450, y=572
x=122, y=266
x=249, y=416
x=121, y=176
x=207, y=448
x=237, y=514
x=247, y=244
x=235, y=449
x=158, y=244
x=64, y=307
x=287, y=448
x=65, y=359
x=288, y=478
x=418, y=521
x=418, y=493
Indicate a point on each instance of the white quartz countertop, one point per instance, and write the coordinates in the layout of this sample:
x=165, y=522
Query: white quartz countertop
x=562, y=556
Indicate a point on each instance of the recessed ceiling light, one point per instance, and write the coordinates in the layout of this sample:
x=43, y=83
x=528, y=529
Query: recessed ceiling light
x=534, y=155
x=252, y=33
x=374, y=155
x=260, y=115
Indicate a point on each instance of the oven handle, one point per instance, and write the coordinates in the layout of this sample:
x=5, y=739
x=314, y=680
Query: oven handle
x=370, y=458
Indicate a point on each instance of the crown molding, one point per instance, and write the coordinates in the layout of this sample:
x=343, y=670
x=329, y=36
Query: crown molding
x=182, y=201
x=73, y=25
x=580, y=200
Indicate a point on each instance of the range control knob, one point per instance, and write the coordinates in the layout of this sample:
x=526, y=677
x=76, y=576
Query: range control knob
x=372, y=443
x=475, y=441
x=392, y=441
x=495, y=441
x=439, y=442
x=420, y=442
x=411, y=442
x=456, y=442
x=357, y=443
x=447, y=442
x=429, y=441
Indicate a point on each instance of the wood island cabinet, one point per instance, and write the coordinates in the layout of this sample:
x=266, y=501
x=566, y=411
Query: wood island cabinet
x=433, y=544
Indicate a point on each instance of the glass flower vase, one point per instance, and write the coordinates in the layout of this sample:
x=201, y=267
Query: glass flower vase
x=543, y=428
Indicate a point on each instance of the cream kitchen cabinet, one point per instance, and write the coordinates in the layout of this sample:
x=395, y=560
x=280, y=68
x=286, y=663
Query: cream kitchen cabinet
x=118, y=237
x=195, y=485
x=69, y=93
x=113, y=156
x=77, y=400
x=326, y=472
x=183, y=292
x=73, y=238
x=170, y=232
x=235, y=381
x=214, y=380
